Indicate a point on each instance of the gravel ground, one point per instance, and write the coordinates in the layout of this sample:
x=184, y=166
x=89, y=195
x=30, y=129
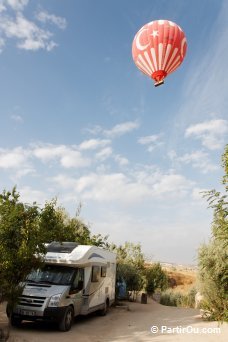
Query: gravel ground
x=168, y=324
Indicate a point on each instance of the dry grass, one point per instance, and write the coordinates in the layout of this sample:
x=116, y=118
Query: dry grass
x=185, y=279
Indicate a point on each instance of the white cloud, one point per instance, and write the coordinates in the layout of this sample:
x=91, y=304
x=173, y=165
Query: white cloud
x=17, y=118
x=121, y=129
x=17, y=163
x=151, y=141
x=86, y=182
x=13, y=159
x=94, y=130
x=77, y=185
x=74, y=159
x=23, y=171
x=210, y=133
x=115, y=131
x=93, y=144
x=133, y=186
x=17, y=5
x=173, y=185
x=198, y=159
x=45, y=17
x=27, y=34
x=148, y=139
x=114, y=186
x=121, y=160
x=197, y=195
x=29, y=195
x=46, y=152
x=125, y=188
x=64, y=181
x=68, y=156
x=104, y=153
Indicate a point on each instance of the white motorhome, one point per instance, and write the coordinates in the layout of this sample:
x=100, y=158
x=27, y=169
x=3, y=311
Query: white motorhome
x=75, y=280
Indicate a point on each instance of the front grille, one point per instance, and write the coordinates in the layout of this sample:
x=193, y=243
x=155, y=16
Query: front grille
x=31, y=301
x=38, y=285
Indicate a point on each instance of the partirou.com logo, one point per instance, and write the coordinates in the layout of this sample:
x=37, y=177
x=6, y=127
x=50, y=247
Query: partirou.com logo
x=164, y=329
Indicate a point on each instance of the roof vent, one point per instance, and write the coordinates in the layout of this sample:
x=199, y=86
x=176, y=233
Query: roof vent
x=61, y=247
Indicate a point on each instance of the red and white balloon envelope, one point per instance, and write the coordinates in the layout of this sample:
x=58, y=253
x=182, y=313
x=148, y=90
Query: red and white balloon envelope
x=159, y=48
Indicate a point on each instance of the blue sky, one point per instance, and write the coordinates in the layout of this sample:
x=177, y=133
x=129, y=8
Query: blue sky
x=80, y=122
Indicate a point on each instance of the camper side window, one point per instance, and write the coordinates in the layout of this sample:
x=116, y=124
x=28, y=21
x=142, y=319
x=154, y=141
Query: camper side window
x=103, y=271
x=96, y=271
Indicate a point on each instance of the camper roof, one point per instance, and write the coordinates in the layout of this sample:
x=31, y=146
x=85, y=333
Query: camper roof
x=72, y=254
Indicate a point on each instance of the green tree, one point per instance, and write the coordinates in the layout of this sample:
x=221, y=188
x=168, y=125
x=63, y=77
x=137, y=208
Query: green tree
x=52, y=223
x=133, y=278
x=131, y=254
x=213, y=257
x=20, y=243
x=24, y=230
x=56, y=225
x=156, y=278
x=130, y=266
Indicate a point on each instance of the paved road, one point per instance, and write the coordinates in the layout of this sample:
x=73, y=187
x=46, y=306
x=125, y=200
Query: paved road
x=135, y=325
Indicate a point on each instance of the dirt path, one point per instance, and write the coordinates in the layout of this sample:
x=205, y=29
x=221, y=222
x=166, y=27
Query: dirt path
x=134, y=325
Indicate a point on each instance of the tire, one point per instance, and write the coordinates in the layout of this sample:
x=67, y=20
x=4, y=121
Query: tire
x=67, y=319
x=104, y=311
x=15, y=321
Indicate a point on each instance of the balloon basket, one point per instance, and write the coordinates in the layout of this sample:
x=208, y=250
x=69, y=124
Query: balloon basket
x=158, y=83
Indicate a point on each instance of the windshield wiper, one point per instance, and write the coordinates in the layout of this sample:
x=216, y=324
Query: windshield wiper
x=30, y=281
x=47, y=282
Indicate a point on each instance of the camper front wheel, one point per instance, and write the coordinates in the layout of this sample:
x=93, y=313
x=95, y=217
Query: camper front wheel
x=15, y=321
x=67, y=319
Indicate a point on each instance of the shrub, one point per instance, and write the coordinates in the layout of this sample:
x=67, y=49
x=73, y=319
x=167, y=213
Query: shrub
x=174, y=298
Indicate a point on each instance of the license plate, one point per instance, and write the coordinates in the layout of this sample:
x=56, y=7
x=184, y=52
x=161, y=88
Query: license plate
x=27, y=313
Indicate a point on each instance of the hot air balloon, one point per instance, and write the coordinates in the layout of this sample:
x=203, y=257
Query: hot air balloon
x=158, y=49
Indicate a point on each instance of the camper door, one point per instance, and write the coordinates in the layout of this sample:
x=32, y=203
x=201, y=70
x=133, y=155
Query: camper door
x=76, y=290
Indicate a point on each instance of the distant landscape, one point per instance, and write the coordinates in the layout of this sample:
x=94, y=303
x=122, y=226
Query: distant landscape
x=184, y=275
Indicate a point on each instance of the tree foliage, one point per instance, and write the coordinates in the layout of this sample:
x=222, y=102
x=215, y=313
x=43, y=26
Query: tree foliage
x=20, y=242
x=213, y=257
x=24, y=231
x=156, y=278
x=130, y=266
x=131, y=254
x=133, y=277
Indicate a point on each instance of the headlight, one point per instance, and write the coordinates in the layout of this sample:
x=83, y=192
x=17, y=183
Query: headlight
x=54, y=300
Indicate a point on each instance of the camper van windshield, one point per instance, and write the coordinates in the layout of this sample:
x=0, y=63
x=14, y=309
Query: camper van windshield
x=52, y=274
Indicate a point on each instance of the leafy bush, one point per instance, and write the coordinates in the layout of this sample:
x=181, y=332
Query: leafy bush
x=170, y=298
x=174, y=298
